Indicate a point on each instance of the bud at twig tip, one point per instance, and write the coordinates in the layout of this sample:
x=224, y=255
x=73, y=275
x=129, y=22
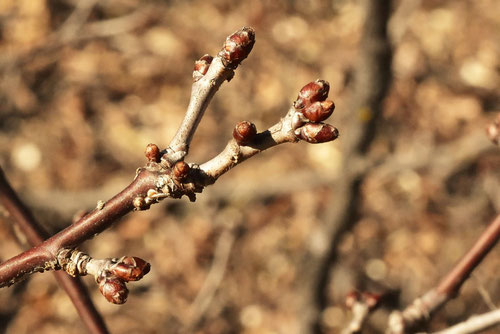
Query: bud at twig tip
x=312, y=92
x=244, y=132
x=130, y=268
x=152, y=153
x=237, y=47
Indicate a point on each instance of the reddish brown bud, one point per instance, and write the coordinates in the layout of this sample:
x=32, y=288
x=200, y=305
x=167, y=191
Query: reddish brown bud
x=181, y=170
x=201, y=67
x=244, y=132
x=152, y=153
x=130, y=268
x=113, y=289
x=237, y=47
x=312, y=92
x=316, y=133
x=319, y=111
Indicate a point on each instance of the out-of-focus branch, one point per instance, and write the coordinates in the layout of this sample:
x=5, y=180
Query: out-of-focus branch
x=361, y=305
x=423, y=308
x=216, y=71
x=35, y=235
x=213, y=280
x=474, y=324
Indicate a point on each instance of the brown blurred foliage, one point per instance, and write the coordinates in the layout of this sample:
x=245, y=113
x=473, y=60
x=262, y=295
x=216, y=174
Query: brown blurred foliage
x=86, y=85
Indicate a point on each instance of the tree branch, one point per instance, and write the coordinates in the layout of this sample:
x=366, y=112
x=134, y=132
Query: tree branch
x=35, y=235
x=169, y=176
x=474, y=324
x=423, y=308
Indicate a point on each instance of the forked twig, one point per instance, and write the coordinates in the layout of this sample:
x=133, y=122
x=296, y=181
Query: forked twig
x=166, y=175
x=423, y=308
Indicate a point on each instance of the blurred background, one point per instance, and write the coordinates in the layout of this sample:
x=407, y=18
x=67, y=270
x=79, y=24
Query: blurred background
x=276, y=244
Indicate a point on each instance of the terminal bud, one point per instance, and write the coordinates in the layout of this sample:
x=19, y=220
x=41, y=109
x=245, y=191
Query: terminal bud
x=237, y=47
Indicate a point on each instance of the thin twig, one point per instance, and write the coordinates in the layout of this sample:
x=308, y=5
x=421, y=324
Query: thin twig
x=474, y=324
x=169, y=176
x=35, y=235
x=214, y=278
x=422, y=309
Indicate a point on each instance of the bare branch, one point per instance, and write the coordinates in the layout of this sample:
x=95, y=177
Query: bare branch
x=221, y=68
x=170, y=176
x=423, y=308
x=361, y=305
x=35, y=235
x=474, y=324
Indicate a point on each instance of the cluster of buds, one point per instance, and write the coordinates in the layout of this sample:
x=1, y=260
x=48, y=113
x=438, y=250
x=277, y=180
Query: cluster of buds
x=311, y=103
x=110, y=274
x=112, y=277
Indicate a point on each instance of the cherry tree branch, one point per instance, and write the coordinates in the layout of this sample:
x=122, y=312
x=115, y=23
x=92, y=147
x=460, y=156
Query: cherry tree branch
x=35, y=235
x=474, y=324
x=422, y=309
x=166, y=175
x=209, y=75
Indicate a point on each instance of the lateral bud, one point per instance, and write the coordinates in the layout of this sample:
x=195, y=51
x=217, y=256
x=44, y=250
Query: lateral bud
x=319, y=111
x=316, y=133
x=201, y=67
x=244, y=132
x=237, y=47
x=181, y=170
x=130, y=268
x=113, y=289
x=312, y=92
x=152, y=153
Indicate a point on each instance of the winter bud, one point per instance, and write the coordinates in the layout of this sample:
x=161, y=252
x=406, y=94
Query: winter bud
x=152, y=153
x=319, y=111
x=244, y=132
x=237, y=47
x=113, y=289
x=316, y=133
x=201, y=67
x=312, y=92
x=181, y=170
x=130, y=268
